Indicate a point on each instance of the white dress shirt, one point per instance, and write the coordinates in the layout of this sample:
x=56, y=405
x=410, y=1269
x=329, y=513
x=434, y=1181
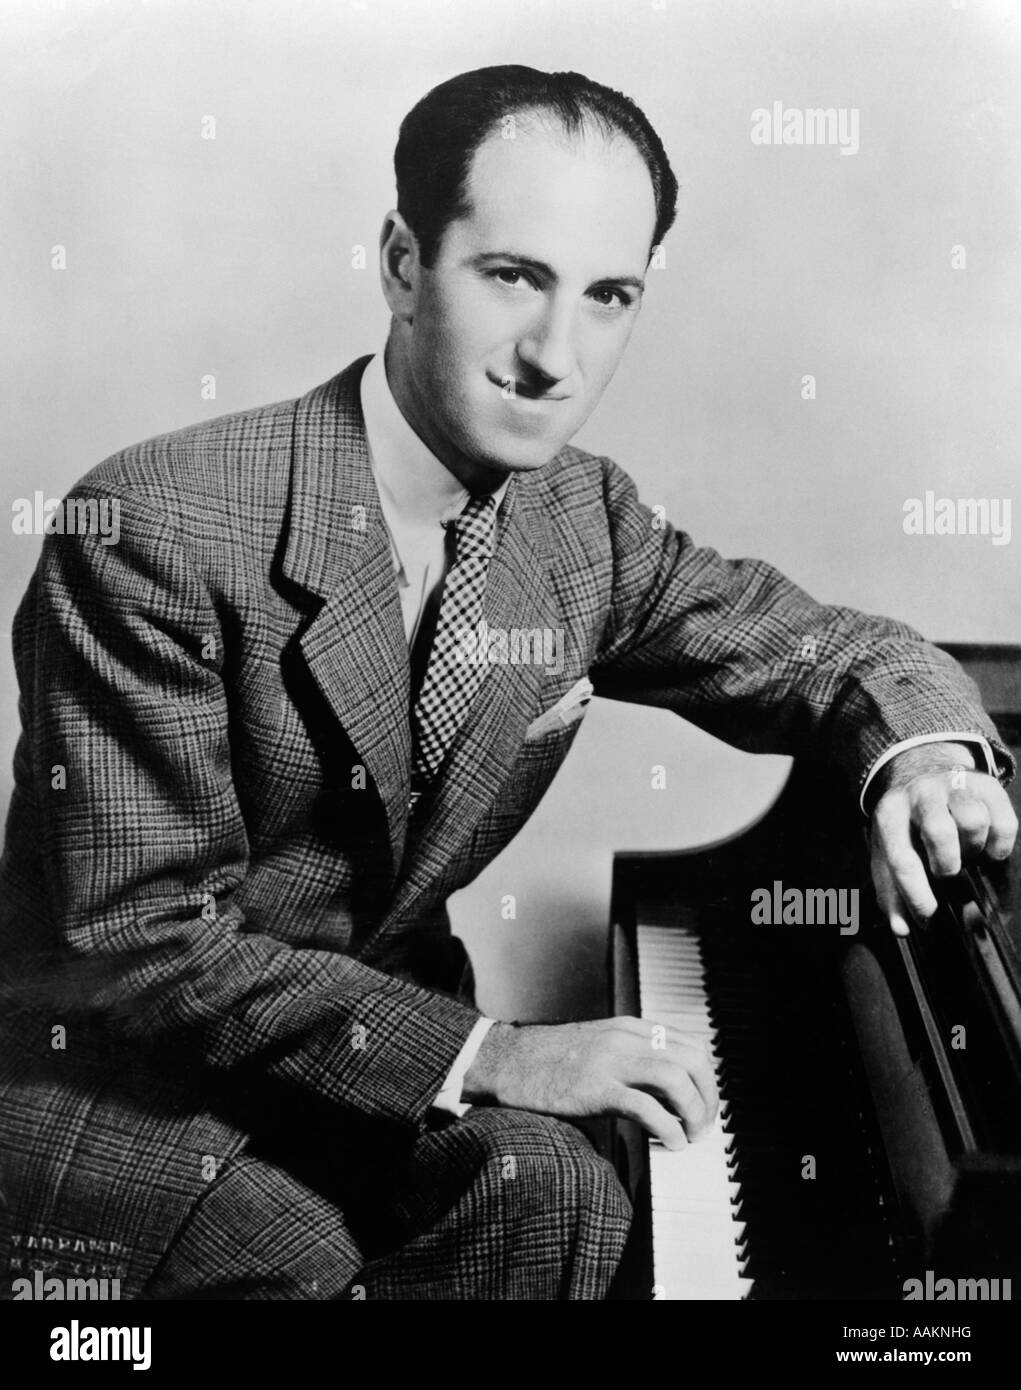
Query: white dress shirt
x=418, y=495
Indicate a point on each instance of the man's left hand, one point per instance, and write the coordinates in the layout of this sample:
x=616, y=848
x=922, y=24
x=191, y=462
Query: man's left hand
x=933, y=797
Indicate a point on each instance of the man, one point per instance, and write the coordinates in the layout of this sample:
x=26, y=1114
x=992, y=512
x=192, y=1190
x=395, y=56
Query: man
x=244, y=1058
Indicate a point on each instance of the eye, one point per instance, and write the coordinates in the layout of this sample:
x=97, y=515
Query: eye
x=611, y=298
x=512, y=277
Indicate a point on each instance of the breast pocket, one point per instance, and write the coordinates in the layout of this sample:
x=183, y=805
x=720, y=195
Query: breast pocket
x=534, y=769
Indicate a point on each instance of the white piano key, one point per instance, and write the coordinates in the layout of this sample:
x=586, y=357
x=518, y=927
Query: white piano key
x=696, y=1233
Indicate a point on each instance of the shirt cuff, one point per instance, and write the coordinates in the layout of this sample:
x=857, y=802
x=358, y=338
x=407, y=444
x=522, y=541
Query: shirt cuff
x=976, y=742
x=449, y=1096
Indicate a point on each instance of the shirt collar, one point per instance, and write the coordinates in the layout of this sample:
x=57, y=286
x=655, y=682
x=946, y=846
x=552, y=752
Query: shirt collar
x=414, y=485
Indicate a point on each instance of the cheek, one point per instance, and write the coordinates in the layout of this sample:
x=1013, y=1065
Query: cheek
x=602, y=357
x=456, y=347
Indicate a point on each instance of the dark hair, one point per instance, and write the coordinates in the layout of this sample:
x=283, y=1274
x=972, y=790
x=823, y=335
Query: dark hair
x=440, y=134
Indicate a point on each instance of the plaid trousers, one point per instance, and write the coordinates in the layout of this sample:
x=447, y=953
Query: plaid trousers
x=498, y=1204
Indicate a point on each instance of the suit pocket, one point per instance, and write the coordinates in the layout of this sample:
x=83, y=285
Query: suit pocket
x=538, y=762
x=568, y=710
x=551, y=724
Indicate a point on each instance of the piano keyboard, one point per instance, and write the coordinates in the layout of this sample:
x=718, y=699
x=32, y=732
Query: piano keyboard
x=697, y=1241
x=841, y=1165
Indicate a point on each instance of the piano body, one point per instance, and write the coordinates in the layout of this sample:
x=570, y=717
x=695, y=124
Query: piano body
x=871, y=1085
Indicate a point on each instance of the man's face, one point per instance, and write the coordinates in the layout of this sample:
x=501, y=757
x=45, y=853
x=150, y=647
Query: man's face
x=520, y=323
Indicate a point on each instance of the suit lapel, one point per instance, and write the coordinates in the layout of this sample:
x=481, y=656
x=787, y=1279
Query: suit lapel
x=338, y=547
x=518, y=595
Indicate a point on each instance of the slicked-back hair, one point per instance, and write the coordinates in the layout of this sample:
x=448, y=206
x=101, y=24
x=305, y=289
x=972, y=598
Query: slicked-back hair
x=441, y=133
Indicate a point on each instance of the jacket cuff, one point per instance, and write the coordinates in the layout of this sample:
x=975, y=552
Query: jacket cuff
x=985, y=759
x=449, y=1096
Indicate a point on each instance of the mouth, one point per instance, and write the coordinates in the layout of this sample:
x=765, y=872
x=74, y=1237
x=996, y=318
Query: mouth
x=518, y=391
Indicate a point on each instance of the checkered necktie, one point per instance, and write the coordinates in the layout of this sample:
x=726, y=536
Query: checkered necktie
x=452, y=678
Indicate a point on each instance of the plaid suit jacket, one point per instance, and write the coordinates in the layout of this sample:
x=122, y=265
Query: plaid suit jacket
x=215, y=909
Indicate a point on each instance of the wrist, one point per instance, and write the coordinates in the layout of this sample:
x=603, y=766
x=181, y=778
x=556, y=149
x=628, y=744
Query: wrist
x=481, y=1084
x=926, y=759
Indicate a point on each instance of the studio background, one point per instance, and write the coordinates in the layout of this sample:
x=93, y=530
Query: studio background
x=235, y=257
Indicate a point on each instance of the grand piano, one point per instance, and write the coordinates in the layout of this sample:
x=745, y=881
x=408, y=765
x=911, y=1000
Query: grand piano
x=870, y=1129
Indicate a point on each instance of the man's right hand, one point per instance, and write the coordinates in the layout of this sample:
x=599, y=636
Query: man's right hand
x=630, y=1067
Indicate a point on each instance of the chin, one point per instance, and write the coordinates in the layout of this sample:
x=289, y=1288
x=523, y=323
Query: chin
x=515, y=459
x=505, y=449
x=531, y=464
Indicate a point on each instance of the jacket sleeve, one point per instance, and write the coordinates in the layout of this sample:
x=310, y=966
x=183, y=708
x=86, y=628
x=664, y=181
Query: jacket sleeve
x=143, y=844
x=744, y=653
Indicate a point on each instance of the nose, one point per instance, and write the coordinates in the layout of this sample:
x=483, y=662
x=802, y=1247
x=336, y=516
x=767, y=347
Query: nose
x=548, y=347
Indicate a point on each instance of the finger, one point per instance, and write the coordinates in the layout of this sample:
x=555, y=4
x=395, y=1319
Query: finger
x=892, y=841
x=699, y=1067
x=637, y=1036
x=646, y=1111
x=938, y=832
x=690, y=1052
x=670, y=1083
x=637, y=1027
x=887, y=897
x=971, y=816
x=1003, y=825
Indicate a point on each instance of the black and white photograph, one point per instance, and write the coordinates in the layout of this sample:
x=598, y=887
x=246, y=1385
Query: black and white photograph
x=511, y=664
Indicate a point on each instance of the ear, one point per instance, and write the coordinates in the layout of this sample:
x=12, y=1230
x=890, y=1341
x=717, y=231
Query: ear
x=399, y=268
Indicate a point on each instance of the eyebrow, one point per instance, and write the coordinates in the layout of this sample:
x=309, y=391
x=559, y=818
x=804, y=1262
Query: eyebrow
x=634, y=282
